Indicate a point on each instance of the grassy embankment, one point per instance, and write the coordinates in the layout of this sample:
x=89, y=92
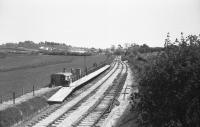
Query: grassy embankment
x=24, y=110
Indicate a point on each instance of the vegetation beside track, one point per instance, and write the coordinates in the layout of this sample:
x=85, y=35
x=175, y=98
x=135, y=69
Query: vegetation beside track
x=22, y=111
x=168, y=84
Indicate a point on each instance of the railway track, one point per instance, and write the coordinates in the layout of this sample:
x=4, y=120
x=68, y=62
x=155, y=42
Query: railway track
x=116, y=92
x=56, y=107
x=99, y=112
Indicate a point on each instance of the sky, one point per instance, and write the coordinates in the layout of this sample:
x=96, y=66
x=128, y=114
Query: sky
x=98, y=23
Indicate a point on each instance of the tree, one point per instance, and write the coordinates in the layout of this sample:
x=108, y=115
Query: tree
x=127, y=45
x=112, y=48
x=167, y=40
x=169, y=87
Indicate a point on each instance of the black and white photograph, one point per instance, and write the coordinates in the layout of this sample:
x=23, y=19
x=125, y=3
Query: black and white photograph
x=99, y=63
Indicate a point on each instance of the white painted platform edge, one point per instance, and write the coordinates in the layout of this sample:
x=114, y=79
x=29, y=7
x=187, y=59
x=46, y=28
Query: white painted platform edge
x=61, y=94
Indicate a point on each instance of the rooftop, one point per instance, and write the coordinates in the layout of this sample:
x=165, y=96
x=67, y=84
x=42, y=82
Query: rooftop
x=65, y=73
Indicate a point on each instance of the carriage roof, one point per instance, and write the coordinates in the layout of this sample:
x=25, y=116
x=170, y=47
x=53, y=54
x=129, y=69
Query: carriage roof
x=65, y=73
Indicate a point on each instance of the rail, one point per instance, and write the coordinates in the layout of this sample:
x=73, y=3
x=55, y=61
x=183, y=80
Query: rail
x=101, y=109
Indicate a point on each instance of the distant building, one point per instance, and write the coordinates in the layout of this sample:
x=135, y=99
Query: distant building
x=46, y=48
x=77, y=50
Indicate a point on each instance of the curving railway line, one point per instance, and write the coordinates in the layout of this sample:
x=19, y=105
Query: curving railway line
x=98, y=112
x=88, y=106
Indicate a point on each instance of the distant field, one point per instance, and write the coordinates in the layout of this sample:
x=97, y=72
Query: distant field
x=16, y=62
x=24, y=71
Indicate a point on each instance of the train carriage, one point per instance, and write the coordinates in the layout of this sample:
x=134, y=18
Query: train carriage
x=61, y=79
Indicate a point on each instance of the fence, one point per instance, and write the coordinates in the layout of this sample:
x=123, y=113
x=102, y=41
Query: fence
x=17, y=93
x=21, y=91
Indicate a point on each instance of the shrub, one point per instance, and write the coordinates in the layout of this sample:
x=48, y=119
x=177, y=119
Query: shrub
x=24, y=110
x=170, y=87
x=9, y=116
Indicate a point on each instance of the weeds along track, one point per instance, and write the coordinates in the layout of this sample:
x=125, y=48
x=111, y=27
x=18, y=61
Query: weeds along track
x=53, y=108
x=99, y=112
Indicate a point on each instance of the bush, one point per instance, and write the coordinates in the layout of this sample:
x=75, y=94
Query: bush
x=170, y=87
x=9, y=116
x=24, y=110
x=17, y=113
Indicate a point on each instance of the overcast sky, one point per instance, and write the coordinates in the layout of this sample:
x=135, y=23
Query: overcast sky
x=98, y=23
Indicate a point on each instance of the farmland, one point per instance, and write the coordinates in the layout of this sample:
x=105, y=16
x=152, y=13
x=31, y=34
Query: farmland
x=24, y=71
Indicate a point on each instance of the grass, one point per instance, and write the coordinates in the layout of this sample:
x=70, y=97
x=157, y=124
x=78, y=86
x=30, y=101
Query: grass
x=128, y=119
x=18, y=62
x=22, y=111
x=24, y=71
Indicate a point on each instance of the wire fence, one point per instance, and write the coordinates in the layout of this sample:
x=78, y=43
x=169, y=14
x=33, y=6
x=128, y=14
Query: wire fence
x=21, y=91
x=17, y=93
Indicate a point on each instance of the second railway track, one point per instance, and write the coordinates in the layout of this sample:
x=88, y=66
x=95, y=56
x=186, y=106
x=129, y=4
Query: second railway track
x=98, y=112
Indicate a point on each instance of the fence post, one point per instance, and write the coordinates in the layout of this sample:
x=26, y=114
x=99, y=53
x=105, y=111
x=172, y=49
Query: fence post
x=1, y=101
x=72, y=71
x=13, y=97
x=22, y=91
x=64, y=69
x=86, y=70
x=33, y=90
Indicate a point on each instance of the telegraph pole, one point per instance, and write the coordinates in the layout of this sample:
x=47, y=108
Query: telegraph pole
x=85, y=64
x=85, y=60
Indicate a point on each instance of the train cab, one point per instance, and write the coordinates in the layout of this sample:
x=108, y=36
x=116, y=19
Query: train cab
x=61, y=79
